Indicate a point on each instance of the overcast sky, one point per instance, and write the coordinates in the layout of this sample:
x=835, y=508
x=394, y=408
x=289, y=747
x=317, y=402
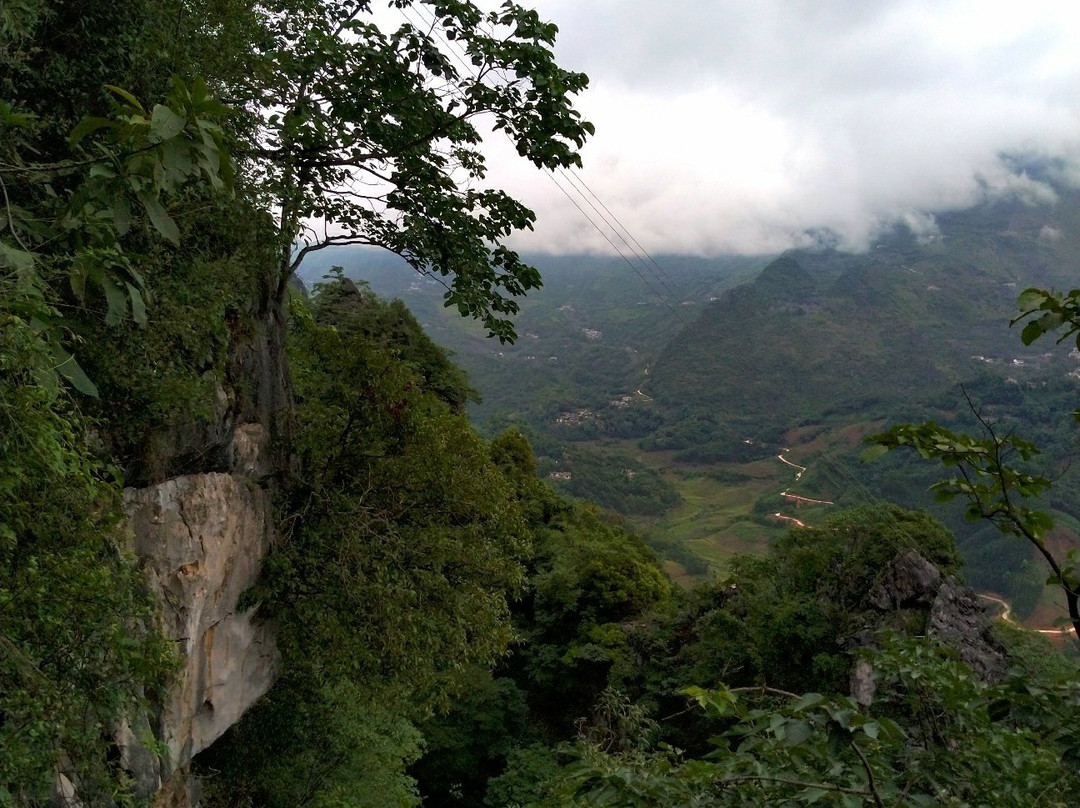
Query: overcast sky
x=750, y=125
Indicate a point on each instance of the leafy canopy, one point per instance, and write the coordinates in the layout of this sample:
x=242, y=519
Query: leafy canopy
x=369, y=133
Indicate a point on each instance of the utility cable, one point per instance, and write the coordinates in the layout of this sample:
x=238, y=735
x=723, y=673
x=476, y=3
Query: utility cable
x=672, y=300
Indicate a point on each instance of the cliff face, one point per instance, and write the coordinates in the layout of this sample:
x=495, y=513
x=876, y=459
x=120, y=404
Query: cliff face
x=200, y=538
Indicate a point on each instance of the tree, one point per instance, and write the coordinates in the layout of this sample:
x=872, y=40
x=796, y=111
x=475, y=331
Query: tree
x=400, y=547
x=995, y=489
x=87, y=175
x=934, y=736
x=367, y=134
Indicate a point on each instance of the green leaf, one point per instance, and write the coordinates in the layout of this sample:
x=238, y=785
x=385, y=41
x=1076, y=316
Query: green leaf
x=873, y=453
x=1032, y=331
x=18, y=260
x=77, y=279
x=67, y=367
x=132, y=100
x=122, y=216
x=12, y=117
x=176, y=159
x=116, y=300
x=165, y=124
x=806, y=701
x=160, y=218
x=138, y=305
x=1031, y=299
x=90, y=124
x=797, y=732
x=102, y=170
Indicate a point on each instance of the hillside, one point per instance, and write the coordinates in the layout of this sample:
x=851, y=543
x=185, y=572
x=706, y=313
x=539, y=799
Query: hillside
x=585, y=337
x=811, y=350
x=254, y=552
x=825, y=332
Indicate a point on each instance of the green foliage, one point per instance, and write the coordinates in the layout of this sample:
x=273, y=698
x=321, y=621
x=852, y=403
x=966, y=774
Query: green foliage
x=528, y=771
x=1049, y=311
x=994, y=488
x=340, y=98
x=614, y=481
x=789, y=619
x=401, y=535
x=137, y=161
x=403, y=538
x=402, y=541
x=79, y=648
x=325, y=746
x=682, y=555
x=587, y=579
x=94, y=192
x=469, y=745
x=935, y=736
x=392, y=326
x=163, y=389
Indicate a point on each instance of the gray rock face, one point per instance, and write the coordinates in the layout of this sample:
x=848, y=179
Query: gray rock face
x=956, y=616
x=200, y=539
x=910, y=581
x=863, y=684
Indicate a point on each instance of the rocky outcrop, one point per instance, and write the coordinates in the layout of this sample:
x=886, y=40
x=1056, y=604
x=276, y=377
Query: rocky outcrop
x=251, y=393
x=958, y=618
x=910, y=581
x=200, y=539
x=954, y=615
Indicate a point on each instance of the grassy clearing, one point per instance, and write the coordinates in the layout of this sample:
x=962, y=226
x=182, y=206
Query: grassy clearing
x=714, y=518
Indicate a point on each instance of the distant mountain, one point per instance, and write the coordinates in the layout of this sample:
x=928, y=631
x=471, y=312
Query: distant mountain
x=816, y=332
x=585, y=337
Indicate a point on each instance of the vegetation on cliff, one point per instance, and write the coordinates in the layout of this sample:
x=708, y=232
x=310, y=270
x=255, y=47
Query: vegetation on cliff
x=453, y=631
x=159, y=163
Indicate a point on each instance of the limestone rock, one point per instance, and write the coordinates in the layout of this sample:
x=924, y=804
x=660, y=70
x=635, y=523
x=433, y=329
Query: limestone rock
x=909, y=581
x=200, y=539
x=958, y=618
x=863, y=684
x=955, y=615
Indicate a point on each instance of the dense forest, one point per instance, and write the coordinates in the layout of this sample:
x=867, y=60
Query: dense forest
x=450, y=629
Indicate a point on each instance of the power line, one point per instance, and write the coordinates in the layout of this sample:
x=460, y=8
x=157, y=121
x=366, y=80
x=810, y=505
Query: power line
x=615, y=247
x=628, y=240
x=580, y=189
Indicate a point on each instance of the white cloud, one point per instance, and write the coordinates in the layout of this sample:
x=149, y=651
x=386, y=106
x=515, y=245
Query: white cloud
x=743, y=126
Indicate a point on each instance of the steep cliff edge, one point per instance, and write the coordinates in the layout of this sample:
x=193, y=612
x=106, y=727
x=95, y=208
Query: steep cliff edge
x=200, y=535
x=201, y=538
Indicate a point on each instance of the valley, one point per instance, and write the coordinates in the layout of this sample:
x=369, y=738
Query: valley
x=345, y=467
x=718, y=405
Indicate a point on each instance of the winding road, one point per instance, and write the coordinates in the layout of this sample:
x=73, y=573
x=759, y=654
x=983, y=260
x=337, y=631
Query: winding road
x=786, y=493
x=1006, y=607
x=1006, y=615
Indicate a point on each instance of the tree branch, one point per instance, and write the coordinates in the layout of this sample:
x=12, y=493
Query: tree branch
x=871, y=782
x=787, y=781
